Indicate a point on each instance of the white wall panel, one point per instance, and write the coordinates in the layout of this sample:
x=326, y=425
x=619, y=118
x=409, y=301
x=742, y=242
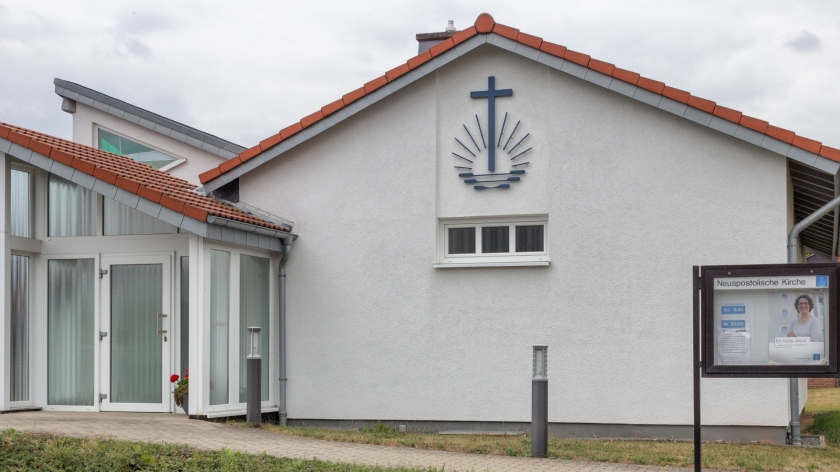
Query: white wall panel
x=634, y=195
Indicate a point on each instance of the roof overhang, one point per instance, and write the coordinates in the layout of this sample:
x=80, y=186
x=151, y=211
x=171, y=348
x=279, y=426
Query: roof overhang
x=640, y=94
x=215, y=228
x=159, y=124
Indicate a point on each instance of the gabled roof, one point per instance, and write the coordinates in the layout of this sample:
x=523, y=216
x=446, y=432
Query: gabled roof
x=142, y=187
x=486, y=30
x=153, y=121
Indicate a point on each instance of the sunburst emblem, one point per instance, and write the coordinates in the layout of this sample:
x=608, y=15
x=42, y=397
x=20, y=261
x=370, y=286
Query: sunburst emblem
x=492, y=145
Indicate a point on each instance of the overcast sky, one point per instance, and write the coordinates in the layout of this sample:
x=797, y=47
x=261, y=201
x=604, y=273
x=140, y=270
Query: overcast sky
x=244, y=70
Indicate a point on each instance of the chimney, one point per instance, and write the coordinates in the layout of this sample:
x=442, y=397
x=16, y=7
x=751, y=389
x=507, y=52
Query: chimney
x=427, y=40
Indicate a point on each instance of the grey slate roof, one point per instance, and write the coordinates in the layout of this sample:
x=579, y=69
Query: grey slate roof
x=147, y=119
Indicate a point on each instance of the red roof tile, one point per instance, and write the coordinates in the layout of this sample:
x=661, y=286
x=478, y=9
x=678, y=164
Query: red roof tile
x=553, y=49
x=576, y=57
x=485, y=24
x=506, y=31
x=601, y=66
x=132, y=176
x=652, y=85
x=727, y=114
x=754, y=124
x=442, y=47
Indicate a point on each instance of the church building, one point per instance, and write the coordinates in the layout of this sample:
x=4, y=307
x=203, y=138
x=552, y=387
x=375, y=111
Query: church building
x=494, y=193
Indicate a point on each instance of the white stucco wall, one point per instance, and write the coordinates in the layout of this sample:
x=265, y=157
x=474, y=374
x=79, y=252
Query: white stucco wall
x=87, y=119
x=634, y=195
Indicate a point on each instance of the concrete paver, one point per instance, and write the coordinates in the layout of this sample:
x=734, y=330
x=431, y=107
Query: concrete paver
x=176, y=429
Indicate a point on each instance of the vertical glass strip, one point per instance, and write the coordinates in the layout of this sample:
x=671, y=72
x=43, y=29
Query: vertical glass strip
x=136, y=345
x=72, y=209
x=185, y=315
x=219, y=332
x=20, y=329
x=21, y=211
x=121, y=219
x=70, y=331
x=253, y=311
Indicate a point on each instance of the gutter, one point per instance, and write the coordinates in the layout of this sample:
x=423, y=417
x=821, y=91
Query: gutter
x=287, y=248
x=284, y=235
x=793, y=258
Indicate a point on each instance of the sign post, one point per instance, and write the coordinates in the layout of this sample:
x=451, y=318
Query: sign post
x=764, y=321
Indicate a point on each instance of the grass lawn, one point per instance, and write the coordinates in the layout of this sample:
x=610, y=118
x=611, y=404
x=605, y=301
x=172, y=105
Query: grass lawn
x=824, y=406
x=20, y=451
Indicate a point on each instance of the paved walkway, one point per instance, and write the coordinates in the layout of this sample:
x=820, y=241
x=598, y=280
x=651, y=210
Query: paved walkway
x=176, y=429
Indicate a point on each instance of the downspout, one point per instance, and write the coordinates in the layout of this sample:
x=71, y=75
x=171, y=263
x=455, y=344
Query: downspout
x=287, y=248
x=793, y=258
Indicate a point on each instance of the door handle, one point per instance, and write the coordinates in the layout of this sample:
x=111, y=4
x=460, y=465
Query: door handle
x=159, y=316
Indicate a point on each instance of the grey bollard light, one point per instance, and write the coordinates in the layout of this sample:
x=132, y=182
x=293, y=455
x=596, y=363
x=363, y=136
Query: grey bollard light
x=254, y=380
x=539, y=403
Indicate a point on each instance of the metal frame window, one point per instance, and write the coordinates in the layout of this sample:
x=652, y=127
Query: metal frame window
x=117, y=143
x=487, y=242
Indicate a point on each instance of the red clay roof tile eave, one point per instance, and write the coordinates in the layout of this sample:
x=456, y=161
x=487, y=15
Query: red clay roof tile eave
x=132, y=176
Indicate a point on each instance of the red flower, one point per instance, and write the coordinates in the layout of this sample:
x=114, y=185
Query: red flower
x=174, y=378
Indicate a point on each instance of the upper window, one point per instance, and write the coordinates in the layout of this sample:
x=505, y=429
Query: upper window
x=493, y=242
x=21, y=205
x=72, y=209
x=111, y=142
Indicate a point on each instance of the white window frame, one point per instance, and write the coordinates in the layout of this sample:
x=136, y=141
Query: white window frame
x=234, y=406
x=178, y=160
x=503, y=259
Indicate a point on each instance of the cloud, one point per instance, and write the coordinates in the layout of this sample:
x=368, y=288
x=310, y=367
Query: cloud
x=805, y=41
x=126, y=46
x=142, y=22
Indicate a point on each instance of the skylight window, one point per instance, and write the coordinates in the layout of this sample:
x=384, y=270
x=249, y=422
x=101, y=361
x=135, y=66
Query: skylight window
x=125, y=147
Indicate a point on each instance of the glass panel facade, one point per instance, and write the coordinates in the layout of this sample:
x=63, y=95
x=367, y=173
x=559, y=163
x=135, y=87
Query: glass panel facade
x=136, y=345
x=20, y=329
x=72, y=209
x=185, y=315
x=70, y=331
x=219, y=322
x=495, y=239
x=253, y=311
x=530, y=238
x=461, y=241
x=121, y=219
x=21, y=209
x=125, y=147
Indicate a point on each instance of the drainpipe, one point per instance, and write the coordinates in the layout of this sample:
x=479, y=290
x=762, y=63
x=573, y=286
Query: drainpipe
x=793, y=258
x=287, y=248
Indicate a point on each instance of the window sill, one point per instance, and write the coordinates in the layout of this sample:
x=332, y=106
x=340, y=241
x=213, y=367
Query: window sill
x=456, y=265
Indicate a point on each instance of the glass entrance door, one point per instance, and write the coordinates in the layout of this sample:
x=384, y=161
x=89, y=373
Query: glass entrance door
x=136, y=333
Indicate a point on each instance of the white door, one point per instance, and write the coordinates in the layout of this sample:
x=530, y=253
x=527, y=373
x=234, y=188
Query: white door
x=136, y=333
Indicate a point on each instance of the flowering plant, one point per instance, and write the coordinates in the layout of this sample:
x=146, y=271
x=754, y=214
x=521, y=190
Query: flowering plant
x=182, y=387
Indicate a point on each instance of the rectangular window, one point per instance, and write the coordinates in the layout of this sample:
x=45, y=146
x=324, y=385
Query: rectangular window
x=530, y=238
x=20, y=329
x=121, y=219
x=219, y=323
x=70, y=331
x=492, y=242
x=72, y=209
x=122, y=146
x=253, y=311
x=21, y=207
x=461, y=240
x=495, y=239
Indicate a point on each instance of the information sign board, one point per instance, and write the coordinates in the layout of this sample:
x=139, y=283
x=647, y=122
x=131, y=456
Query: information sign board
x=770, y=320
